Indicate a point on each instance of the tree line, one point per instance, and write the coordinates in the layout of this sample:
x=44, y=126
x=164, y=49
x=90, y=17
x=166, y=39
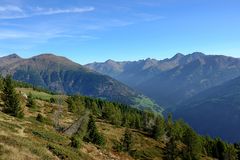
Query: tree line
x=181, y=141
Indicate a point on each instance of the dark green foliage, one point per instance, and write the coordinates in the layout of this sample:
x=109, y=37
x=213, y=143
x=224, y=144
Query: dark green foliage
x=237, y=148
x=115, y=113
x=11, y=98
x=112, y=113
x=231, y=153
x=71, y=105
x=52, y=100
x=218, y=149
x=30, y=101
x=40, y=118
x=171, y=151
x=92, y=133
x=127, y=140
x=158, y=128
x=193, y=145
x=75, y=141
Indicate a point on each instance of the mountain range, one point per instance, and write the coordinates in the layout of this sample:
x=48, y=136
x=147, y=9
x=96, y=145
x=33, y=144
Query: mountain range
x=203, y=90
x=172, y=81
x=65, y=76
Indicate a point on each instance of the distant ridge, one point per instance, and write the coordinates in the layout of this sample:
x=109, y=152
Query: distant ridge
x=63, y=75
x=215, y=111
x=172, y=80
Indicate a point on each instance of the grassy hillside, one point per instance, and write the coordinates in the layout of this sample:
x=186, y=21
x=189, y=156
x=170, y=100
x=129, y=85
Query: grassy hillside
x=31, y=138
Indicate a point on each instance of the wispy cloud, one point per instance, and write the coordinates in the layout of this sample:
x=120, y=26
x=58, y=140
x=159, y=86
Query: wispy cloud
x=16, y=12
x=10, y=8
x=149, y=17
x=51, y=11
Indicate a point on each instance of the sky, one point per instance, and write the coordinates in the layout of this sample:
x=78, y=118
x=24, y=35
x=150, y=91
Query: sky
x=97, y=30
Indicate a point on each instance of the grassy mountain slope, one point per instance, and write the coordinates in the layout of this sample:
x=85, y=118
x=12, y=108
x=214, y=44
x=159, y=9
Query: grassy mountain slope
x=28, y=138
x=62, y=75
x=48, y=137
x=214, y=111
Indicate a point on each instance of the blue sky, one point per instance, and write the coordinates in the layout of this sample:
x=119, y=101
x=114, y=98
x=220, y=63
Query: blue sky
x=97, y=30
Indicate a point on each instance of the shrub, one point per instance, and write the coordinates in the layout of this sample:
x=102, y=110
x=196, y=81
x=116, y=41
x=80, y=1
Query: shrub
x=40, y=118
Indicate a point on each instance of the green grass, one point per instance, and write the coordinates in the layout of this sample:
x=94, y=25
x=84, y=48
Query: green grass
x=144, y=102
x=39, y=95
x=50, y=136
x=65, y=152
x=9, y=126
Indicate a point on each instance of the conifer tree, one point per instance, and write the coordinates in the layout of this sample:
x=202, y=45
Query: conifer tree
x=30, y=101
x=75, y=141
x=11, y=98
x=92, y=133
x=219, y=149
x=171, y=151
x=193, y=145
x=127, y=140
x=158, y=128
x=71, y=105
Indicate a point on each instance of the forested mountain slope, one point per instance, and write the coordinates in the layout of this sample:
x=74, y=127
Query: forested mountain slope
x=62, y=75
x=215, y=112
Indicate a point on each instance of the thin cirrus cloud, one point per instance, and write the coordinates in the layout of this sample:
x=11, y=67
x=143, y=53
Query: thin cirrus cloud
x=16, y=12
x=8, y=8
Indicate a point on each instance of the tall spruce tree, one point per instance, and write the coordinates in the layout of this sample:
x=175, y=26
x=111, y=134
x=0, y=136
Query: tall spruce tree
x=92, y=133
x=11, y=98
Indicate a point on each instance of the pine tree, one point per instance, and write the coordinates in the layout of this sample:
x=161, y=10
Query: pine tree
x=158, y=128
x=193, y=145
x=40, y=118
x=92, y=133
x=71, y=105
x=171, y=151
x=11, y=98
x=219, y=149
x=30, y=101
x=75, y=141
x=127, y=140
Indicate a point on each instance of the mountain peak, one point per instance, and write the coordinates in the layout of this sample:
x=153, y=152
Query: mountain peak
x=45, y=55
x=51, y=57
x=177, y=56
x=197, y=54
x=110, y=61
x=13, y=56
